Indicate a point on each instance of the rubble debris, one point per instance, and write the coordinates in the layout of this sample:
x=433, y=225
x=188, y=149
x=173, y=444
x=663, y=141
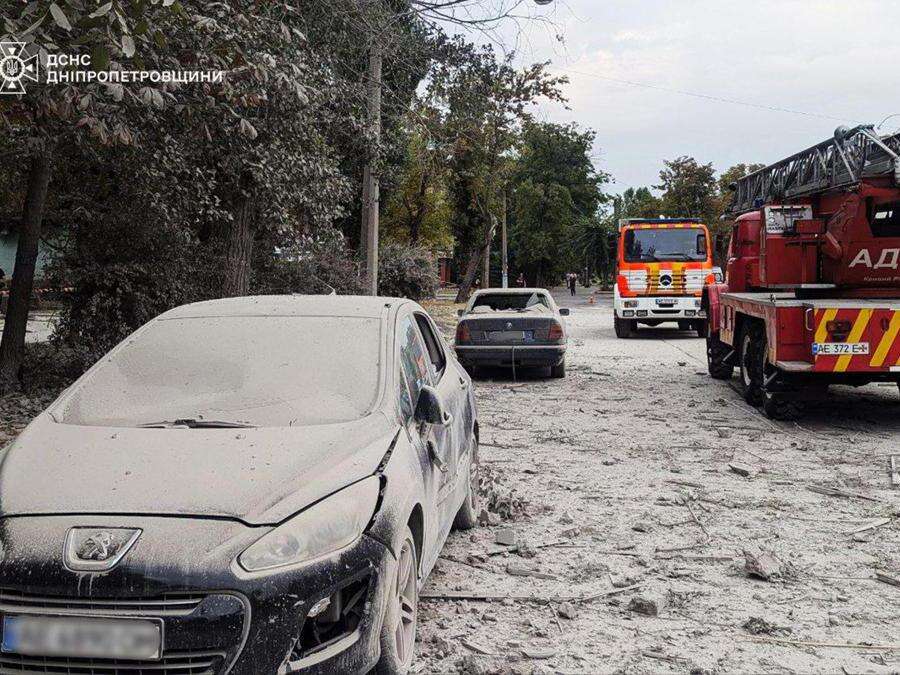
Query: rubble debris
x=505, y=537
x=895, y=475
x=641, y=526
x=742, y=470
x=477, y=648
x=887, y=578
x=538, y=653
x=567, y=611
x=649, y=605
x=757, y=625
x=834, y=492
x=872, y=525
x=761, y=565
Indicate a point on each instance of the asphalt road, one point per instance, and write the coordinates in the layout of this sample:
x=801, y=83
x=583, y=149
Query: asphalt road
x=624, y=483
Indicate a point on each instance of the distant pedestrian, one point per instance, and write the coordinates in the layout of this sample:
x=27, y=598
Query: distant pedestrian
x=520, y=282
x=572, y=281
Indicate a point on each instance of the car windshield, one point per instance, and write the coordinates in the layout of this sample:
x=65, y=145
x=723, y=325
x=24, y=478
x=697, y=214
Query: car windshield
x=509, y=302
x=670, y=244
x=269, y=371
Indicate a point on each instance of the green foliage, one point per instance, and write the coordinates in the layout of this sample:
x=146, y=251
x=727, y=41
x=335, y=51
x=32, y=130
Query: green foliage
x=557, y=196
x=407, y=272
x=312, y=266
x=689, y=189
x=636, y=203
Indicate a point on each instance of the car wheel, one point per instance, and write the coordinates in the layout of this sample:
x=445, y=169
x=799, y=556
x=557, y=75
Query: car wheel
x=558, y=371
x=467, y=516
x=398, y=631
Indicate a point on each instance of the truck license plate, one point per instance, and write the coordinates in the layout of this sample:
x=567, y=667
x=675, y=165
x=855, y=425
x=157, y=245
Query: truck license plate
x=82, y=637
x=840, y=348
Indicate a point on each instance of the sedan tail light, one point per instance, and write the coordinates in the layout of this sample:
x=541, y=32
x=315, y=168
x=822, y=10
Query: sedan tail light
x=462, y=333
x=556, y=332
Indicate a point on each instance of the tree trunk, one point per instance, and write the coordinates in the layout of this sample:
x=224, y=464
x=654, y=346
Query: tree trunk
x=12, y=346
x=475, y=256
x=465, y=285
x=238, y=247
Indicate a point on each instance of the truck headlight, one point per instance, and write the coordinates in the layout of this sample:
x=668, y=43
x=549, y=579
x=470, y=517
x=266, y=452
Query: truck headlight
x=332, y=524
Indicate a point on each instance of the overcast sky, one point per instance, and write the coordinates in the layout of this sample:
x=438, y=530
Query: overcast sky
x=837, y=60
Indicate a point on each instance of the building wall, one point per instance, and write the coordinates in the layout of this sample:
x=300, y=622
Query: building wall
x=8, y=243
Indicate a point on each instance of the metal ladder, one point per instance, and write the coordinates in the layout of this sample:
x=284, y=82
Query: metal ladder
x=841, y=162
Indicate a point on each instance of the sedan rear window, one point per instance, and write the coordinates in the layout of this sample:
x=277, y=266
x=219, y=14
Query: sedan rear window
x=505, y=302
x=261, y=371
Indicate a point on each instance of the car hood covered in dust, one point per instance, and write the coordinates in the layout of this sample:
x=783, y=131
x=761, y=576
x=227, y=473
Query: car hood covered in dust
x=257, y=475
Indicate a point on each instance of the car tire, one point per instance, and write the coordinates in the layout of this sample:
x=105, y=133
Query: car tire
x=716, y=353
x=559, y=371
x=625, y=328
x=467, y=516
x=398, y=630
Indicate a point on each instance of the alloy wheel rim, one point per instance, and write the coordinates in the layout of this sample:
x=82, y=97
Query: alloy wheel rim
x=405, y=600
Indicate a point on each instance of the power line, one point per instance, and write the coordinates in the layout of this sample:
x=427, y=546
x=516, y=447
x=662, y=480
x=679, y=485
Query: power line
x=708, y=97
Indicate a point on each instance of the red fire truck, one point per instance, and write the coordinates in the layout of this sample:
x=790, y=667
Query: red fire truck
x=812, y=289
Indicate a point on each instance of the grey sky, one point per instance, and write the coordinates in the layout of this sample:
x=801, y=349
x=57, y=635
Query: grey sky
x=832, y=59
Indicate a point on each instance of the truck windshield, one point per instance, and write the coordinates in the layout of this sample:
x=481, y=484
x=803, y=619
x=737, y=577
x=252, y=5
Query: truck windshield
x=669, y=244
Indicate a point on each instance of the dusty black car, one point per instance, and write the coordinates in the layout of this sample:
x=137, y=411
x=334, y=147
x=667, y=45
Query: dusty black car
x=512, y=327
x=253, y=485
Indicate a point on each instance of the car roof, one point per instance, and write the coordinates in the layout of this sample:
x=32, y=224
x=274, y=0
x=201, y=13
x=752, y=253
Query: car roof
x=363, y=306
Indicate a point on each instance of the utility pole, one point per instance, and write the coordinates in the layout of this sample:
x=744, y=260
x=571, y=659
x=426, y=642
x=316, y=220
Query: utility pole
x=486, y=270
x=371, y=187
x=504, y=255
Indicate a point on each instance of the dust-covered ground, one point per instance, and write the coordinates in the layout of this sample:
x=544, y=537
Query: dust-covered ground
x=626, y=525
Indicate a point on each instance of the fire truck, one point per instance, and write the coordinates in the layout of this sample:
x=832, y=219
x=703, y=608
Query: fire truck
x=662, y=267
x=812, y=290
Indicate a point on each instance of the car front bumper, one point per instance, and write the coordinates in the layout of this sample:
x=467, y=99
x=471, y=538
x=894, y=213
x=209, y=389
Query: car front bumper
x=509, y=355
x=665, y=308
x=216, y=617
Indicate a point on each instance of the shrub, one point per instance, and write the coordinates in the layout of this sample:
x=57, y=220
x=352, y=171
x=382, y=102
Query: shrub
x=406, y=271
x=314, y=265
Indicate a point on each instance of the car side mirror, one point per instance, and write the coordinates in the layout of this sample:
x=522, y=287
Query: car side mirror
x=460, y=312
x=564, y=311
x=430, y=408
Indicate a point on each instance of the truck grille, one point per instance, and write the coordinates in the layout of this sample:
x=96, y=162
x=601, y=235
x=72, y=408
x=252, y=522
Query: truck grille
x=162, y=606
x=188, y=663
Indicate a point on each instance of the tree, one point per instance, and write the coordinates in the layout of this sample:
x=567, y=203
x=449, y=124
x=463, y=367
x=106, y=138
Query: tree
x=482, y=101
x=636, y=203
x=47, y=116
x=689, y=189
x=557, y=195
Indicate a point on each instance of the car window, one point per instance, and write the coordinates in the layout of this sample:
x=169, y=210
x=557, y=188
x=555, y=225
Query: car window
x=435, y=351
x=414, y=364
x=505, y=302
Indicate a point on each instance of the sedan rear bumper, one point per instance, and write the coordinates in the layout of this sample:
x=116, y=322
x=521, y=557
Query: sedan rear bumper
x=519, y=355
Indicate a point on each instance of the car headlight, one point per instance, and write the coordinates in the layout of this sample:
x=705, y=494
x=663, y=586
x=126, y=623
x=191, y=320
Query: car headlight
x=332, y=524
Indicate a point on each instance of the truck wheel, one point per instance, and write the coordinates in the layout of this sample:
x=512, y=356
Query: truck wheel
x=716, y=353
x=684, y=325
x=752, y=351
x=777, y=407
x=625, y=328
x=701, y=328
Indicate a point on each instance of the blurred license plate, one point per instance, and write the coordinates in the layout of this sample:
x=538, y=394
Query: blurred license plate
x=511, y=335
x=840, y=348
x=82, y=637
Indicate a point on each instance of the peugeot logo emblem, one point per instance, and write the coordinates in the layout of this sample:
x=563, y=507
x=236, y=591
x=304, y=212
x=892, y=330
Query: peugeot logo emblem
x=97, y=550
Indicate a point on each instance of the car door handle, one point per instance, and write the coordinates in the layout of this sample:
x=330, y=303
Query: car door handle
x=437, y=461
x=463, y=383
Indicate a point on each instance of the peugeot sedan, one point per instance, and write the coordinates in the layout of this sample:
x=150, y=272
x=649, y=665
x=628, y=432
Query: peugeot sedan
x=512, y=327
x=252, y=485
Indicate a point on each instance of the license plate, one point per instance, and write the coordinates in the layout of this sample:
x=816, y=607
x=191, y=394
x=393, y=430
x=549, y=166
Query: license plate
x=840, y=348
x=82, y=637
x=511, y=335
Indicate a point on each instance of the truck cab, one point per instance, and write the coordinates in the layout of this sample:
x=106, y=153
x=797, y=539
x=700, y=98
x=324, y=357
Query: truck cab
x=662, y=268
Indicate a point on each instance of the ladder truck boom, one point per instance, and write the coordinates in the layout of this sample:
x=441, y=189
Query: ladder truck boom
x=812, y=288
